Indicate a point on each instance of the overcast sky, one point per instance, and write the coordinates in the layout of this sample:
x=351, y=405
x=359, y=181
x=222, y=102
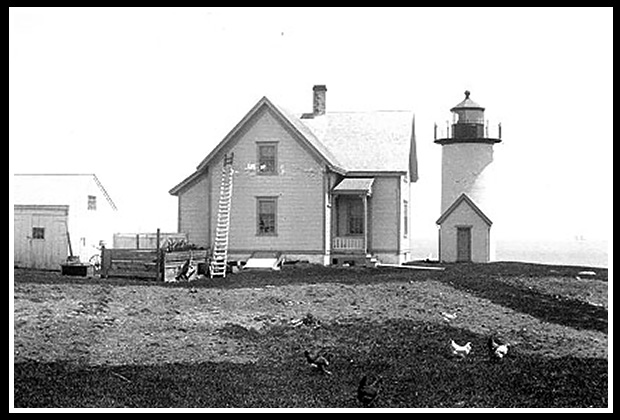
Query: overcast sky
x=140, y=96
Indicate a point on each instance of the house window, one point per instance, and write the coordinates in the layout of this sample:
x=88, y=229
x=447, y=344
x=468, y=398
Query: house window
x=267, y=158
x=92, y=202
x=406, y=218
x=266, y=209
x=355, y=217
x=38, y=233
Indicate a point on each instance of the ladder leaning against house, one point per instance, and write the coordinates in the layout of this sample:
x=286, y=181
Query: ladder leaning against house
x=219, y=259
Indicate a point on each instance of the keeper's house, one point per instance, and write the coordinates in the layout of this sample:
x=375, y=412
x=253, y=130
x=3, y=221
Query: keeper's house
x=328, y=187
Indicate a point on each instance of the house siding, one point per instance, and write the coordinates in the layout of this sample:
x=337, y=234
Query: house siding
x=194, y=212
x=384, y=212
x=298, y=186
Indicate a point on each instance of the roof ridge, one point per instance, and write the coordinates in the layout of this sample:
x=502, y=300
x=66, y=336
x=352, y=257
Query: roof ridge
x=364, y=112
x=56, y=174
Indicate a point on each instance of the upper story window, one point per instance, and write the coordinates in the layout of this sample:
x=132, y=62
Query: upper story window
x=267, y=158
x=92, y=202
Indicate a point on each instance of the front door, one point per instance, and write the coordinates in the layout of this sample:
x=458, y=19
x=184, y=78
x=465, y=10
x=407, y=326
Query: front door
x=463, y=244
x=350, y=223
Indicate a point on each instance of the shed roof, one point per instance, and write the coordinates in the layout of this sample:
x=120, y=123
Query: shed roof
x=53, y=189
x=354, y=185
x=463, y=198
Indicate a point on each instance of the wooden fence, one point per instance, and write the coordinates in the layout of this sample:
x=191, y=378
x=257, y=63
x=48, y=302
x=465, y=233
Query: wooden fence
x=145, y=240
x=152, y=264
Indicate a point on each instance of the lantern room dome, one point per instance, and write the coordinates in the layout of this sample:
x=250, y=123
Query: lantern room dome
x=467, y=104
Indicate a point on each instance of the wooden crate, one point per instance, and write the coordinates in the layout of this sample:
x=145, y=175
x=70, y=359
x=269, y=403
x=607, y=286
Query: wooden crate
x=140, y=263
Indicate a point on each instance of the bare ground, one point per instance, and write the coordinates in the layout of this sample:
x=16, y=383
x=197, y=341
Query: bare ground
x=365, y=319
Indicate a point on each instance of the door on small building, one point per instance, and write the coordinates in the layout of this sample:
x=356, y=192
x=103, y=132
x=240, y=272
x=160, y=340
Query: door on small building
x=463, y=244
x=40, y=237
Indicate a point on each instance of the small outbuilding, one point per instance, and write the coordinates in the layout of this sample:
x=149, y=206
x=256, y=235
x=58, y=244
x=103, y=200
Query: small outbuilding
x=464, y=233
x=56, y=215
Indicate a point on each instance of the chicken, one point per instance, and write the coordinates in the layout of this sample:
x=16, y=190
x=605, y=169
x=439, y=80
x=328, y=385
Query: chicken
x=448, y=316
x=460, y=351
x=367, y=393
x=318, y=362
x=497, y=348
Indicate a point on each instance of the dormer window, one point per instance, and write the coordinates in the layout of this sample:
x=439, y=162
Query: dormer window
x=267, y=158
x=92, y=202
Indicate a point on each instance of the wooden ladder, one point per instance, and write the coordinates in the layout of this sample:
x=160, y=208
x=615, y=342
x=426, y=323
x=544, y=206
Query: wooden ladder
x=219, y=259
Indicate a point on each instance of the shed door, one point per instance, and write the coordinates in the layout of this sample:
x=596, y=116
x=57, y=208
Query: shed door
x=463, y=244
x=40, y=240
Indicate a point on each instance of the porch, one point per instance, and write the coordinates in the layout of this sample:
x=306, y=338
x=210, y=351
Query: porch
x=350, y=216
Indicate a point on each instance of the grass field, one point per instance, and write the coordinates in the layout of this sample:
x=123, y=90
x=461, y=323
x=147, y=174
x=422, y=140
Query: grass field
x=239, y=341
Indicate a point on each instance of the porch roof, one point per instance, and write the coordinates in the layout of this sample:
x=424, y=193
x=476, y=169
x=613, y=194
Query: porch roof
x=354, y=186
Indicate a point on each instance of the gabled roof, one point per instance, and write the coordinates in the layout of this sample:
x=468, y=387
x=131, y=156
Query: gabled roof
x=375, y=141
x=53, y=189
x=302, y=133
x=463, y=198
x=362, y=142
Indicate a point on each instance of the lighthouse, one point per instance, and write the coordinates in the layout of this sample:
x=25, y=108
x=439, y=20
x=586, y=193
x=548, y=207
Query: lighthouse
x=466, y=185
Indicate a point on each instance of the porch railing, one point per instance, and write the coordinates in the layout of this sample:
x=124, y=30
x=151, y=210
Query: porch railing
x=348, y=243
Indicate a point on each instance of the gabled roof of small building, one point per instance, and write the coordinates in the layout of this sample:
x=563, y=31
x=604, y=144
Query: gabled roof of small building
x=463, y=198
x=53, y=189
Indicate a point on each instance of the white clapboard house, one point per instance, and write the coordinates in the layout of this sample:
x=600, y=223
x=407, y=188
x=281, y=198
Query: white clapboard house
x=327, y=187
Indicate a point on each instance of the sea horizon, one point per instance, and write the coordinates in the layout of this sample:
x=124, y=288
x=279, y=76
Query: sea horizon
x=578, y=252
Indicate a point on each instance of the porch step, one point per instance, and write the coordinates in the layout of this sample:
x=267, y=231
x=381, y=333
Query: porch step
x=354, y=260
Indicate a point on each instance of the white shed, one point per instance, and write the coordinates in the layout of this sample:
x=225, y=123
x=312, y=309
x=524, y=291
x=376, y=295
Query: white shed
x=464, y=233
x=40, y=236
x=53, y=211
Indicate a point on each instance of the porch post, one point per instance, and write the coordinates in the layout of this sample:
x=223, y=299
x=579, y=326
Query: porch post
x=365, y=224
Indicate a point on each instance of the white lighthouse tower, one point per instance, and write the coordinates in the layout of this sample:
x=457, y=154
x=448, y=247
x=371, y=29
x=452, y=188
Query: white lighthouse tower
x=466, y=179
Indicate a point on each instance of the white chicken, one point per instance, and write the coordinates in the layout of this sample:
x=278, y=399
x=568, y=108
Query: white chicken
x=448, y=316
x=460, y=351
x=497, y=348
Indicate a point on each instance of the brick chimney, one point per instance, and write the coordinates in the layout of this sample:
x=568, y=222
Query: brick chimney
x=318, y=100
